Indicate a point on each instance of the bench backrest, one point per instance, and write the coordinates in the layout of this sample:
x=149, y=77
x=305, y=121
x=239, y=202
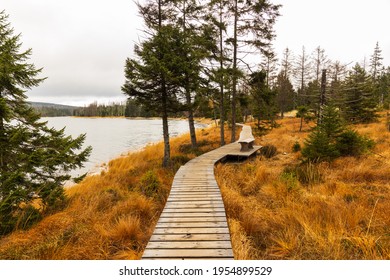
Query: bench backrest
x=246, y=133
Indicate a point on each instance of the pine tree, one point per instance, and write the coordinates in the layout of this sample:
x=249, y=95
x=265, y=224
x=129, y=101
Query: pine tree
x=284, y=93
x=384, y=88
x=321, y=144
x=186, y=17
x=150, y=82
x=337, y=73
x=332, y=138
x=378, y=74
x=360, y=102
x=262, y=97
x=34, y=160
x=376, y=65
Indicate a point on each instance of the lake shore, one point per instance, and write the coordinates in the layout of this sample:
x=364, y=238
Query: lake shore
x=207, y=121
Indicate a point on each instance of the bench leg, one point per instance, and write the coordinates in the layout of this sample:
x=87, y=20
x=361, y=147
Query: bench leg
x=244, y=147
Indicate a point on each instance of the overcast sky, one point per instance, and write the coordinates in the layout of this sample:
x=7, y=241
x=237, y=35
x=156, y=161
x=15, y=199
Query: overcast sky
x=82, y=44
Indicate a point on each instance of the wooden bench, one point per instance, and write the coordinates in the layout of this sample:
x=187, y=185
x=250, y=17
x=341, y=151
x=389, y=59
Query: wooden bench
x=246, y=139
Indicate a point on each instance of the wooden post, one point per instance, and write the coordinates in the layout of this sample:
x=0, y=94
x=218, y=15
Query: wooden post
x=388, y=121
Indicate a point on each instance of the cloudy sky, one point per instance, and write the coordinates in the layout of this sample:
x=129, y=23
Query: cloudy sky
x=82, y=44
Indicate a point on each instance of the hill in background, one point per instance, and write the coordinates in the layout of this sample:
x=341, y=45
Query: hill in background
x=53, y=110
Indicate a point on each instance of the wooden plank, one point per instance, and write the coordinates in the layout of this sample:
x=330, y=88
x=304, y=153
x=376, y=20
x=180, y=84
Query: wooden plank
x=195, y=195
x=191, y=188
x=193, y=200
x=190, y=181
x=194, y=192
x=188, y=253
x=181, y=237
x=186, y=191
x=195, y=203
x=214, y=224
x=193, y=210
x=193, y=214
x=190, y=192
x=195, y=184
x=191, y=219
x=190, y=230
x=185, y=205
x=190, y=245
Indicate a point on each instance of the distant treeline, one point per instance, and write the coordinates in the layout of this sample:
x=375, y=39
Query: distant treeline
x=122, y=109
x=128, y=109
x=132, y=109
x=52, y=110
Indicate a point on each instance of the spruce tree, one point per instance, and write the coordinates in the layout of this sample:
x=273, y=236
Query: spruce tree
x=284, y=93
x=332, y=138
x=34, y=159
x=153, y=78
x=262, y=97
x=321, y=144
x=378, y=74
x=187, y=17
x=376, y=65
x=360, y=102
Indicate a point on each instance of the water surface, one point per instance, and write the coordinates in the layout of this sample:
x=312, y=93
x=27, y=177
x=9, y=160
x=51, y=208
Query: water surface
x=112, y=137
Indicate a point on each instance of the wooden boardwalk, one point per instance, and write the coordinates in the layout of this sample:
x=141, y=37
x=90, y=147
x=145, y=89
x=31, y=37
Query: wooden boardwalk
x=193, y=223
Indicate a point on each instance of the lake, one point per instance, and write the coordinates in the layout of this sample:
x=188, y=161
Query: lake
x=113, y=137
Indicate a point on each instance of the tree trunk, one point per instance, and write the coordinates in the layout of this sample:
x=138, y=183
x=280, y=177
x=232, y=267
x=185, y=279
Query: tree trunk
x=191, y=121
x=222, y=94
x=300, y=127
x=164, y=104
x=222, y=115
x=234, y=85
x=167, y=148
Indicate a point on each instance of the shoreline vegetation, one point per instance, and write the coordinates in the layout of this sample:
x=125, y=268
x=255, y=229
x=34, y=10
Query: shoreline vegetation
x=277, y=208
x=206, y=121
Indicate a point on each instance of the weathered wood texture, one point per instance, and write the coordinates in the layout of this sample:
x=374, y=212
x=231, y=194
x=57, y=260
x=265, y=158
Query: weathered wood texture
x=193, y=223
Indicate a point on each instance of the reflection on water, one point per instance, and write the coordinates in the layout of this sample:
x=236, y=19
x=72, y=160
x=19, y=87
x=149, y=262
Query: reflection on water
x=111, y=137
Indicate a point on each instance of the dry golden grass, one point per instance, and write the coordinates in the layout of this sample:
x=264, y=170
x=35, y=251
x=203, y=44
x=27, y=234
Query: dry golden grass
x=111, y=215
x=343, y=215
